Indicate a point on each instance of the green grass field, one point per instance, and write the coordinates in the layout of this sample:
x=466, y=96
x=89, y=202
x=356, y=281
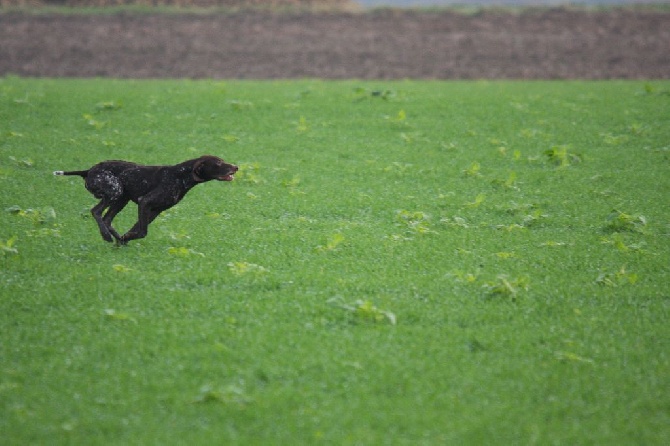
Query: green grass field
x=396, y=263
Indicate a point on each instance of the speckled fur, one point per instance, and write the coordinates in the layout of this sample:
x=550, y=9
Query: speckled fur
x=153, y=188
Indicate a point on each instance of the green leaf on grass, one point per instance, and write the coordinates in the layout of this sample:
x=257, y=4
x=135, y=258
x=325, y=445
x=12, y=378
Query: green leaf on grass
x=617, y=278
x=505, y=286
x=115, y=316
x=560, y=157
x=121, y=268
x=619, y=221
x=364, y=310
x=7, y=247
x=246, y=268
x=183, y=252
x=333, y=242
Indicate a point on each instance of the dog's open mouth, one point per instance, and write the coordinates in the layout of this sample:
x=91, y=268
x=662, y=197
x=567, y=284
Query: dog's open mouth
x=229, y=177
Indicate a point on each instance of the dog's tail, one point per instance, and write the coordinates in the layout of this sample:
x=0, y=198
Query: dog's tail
x=81, y=173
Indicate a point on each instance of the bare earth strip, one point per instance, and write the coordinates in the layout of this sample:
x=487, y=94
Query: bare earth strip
x=536, y=44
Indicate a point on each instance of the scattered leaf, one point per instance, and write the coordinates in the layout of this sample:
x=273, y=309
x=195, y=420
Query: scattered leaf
x=113, y=315
x=92, y=122
x=240, y=105
x=121, y=268
x=571, y=357
x=7, y=247
x=473, y=170
x=245, y=268
x=618, y=278
x=293, y=182
x=42, y=216
x=560, y=157
x=26, y=162
x=301, y=126
x=183, y=252
x=231, y=394
x=416, y=222
x=553, y=244
x=479, y=199
x=108, y=106
x=619, y=221
x=506, y=287
x=364, y=311
x=333, y=242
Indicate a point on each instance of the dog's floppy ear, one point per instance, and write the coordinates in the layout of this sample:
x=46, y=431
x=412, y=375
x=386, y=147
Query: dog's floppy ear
x=196, y=171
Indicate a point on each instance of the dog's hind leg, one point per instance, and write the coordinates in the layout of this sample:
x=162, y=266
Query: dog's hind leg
x=105, y=185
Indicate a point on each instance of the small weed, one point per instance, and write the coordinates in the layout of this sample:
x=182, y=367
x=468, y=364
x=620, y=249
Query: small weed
x=361, y=94
x=455, y=222
x=463, y=276
x=511, y=228
x=334, y=241
x=43, y=216
x=293, y=182
x=415, y=222
x=553, y=244
x=249, y=173
x=398, y=238
x=571, y=357
x=301, y=126
x=121, y=268
x=503, y=286
x=94, y=123
x=108, y=106
x=364, y=311
x=638, y=129
x=617, y=278
x=560, y=157
x=183, y=252
x=230, y=139
x=515, y=208
x=231, y=394
x=617, y=240
x=400, y=118
x=397, y=167
x=613, y=140
x=26, y=162
x=113, y=315
x=509, y=183
x=239, y=105
x=534, y=218
x=619, y=221
x=7, y=247
x=479, y=199
x=245, y=268
x=474, y=170
x=44, y=232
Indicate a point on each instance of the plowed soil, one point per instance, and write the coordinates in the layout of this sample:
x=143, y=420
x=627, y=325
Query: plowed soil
x=557, y=43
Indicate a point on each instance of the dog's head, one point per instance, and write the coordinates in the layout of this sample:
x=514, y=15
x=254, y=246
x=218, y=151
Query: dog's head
x=210, y=167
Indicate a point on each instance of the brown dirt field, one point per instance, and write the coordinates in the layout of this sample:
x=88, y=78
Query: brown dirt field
x=556, y=43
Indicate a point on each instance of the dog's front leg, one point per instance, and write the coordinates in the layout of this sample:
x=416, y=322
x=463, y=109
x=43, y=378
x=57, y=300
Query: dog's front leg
x=113, y=210
x=145, y=215
x=96, y=211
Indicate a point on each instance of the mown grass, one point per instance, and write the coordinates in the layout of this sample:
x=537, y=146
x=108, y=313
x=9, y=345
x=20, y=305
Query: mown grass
x=396, y=263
